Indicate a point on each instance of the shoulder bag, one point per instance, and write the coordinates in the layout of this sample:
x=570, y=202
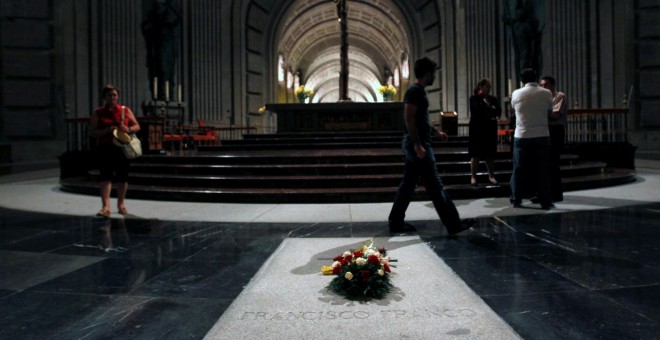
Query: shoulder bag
x=128, y=142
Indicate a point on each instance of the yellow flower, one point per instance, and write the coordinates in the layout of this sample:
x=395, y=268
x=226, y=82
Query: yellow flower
x=387, y=90
x=326, y=270
x=348, y=276
x=301, y=91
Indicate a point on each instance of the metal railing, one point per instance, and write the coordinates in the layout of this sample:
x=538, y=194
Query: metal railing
x=584, y=126
x=77, y=132
x=232, y=132
x=597, y=125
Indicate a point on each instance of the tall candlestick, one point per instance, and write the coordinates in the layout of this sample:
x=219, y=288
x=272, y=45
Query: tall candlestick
x=155, y=87
x=167, y=90
x=180, y=97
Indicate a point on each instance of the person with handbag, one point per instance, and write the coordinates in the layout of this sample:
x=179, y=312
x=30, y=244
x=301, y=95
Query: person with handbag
x=112, y=162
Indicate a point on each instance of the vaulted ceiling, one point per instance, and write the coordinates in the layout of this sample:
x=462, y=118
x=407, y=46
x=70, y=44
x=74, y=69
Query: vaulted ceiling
x=308, y=39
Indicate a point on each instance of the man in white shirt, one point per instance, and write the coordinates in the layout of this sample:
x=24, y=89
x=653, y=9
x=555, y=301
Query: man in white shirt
x=531, y=141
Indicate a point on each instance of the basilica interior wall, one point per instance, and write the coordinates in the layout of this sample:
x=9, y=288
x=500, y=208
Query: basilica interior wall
x=56, y=55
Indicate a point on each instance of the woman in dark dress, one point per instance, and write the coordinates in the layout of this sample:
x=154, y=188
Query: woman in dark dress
x=484, y=112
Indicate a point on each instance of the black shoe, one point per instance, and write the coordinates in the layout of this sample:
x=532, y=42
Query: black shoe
x=536, y=200
x=402, y=228
x=465, y=225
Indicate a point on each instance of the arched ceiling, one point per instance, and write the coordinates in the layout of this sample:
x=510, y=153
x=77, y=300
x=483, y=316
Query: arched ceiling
x=309, y=40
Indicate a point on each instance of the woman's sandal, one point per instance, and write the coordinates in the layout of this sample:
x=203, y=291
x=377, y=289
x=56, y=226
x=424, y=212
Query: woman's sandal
x=123, y=211
x=103, y=213
x=493, y=181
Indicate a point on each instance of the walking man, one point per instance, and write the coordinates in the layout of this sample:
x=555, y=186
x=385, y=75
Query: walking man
x=419, y=157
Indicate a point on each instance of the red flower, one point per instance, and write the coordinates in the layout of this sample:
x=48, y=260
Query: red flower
x=335, y=270
x=348, y=258
x=337, y=258
x=382, y=250
x=365, y=275
x=373, y=259
x=357, y=254
x=387, y=268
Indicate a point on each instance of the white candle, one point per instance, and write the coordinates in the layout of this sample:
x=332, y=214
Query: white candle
x=180, y=97
x=510, y=88
x=155, y=87
x=167, y=91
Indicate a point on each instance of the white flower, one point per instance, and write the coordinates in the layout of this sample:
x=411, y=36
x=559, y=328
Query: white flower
x=336, y=264
x=349, y=276
x=371, y=252
x=347, y=254
x=361, y=261
x=381, y=272
x=384, y=260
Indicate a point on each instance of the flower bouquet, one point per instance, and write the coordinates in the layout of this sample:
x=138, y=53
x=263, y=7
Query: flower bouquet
x=302, y=93
x=388, y=91
x=361, y=273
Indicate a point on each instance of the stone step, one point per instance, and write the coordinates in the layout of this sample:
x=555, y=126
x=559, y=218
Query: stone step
x=344, y=134
x=321, y=168
x=332, y=195
x=349, y=169
x=316, y=144
x=320, y=156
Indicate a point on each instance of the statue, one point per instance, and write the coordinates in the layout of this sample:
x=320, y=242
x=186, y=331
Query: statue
x=343, y=54
x=161, y=28
x=341, y=7
x=526, y=27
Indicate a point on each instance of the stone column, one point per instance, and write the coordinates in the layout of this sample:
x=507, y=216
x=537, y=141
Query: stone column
x=343, y=73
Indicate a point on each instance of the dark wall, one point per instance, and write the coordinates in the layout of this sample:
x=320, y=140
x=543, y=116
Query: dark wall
x=29, y=103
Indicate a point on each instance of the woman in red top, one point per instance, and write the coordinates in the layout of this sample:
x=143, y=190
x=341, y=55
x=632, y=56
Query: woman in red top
x=111, y=159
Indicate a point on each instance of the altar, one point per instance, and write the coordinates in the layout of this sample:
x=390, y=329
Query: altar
x=338, y=117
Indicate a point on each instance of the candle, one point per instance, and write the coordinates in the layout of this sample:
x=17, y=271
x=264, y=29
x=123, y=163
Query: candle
x=155, y=87
x=180, y=97
x=167, y=90
x=510, y=88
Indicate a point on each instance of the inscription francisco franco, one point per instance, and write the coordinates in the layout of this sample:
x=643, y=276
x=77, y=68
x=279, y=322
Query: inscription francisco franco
x=385, y=314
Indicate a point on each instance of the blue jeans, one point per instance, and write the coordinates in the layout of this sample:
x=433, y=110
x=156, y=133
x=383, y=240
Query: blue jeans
x=531, y=170
x=414, y=169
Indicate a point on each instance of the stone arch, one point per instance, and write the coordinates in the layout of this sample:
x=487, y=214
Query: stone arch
x=371, y=17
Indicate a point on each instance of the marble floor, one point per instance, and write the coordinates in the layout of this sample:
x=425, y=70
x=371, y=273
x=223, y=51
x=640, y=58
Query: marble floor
x=587, y=269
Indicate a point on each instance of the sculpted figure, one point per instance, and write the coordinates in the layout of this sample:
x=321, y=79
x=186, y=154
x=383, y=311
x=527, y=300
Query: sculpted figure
x=161, y=28
x=525, y=19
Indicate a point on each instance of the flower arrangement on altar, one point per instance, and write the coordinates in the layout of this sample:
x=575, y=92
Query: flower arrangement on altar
x=302, y=93
x=361, y=273
x=387, y=91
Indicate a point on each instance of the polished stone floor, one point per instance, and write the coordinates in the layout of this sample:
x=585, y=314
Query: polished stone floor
x=590, y=273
